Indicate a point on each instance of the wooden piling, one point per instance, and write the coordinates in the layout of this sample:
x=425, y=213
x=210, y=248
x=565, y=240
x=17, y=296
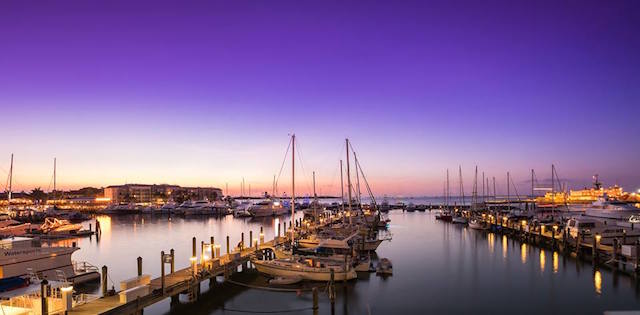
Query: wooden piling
x=241, y=241
x=228, y=250
x=314, y=292
x=172, y=253
x=43, y=297
x=139, y=266
x=193, y=247
x=104, y=281
x=250, y=238
x=162, y=271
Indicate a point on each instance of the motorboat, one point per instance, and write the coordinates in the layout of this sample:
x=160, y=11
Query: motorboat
x=55, y=226
x=459, y=220
x=267, y=208
x=198, y=207
x=24, y=259
x=589, y=227
x=10, y=227
x=608, y=209
x=477, y=224
x=307, y=268
x=444, y=215
x=384, y=267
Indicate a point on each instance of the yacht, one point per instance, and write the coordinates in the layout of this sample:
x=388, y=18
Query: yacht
x=307, y=268
x=444, y=215
x=477, y=224
x=607, y=209
x=10, y=227
x=23, y=259
x=267, y=208
x=53, y=226
x=588, y=227
x=196, y=207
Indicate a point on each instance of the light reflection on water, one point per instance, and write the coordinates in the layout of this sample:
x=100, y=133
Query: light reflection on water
x=432, y=261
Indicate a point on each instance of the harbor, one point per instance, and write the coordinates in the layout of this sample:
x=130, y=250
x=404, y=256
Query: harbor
x=319, y=158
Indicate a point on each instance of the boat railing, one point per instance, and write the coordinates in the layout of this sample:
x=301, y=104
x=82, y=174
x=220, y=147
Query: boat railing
x=84, y=267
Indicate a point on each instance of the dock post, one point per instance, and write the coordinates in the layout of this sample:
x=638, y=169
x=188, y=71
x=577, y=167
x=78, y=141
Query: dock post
x=172, y=253
x=314, y=291
x=193, y=247
x=250, y=238
x=139, y=266
x=241, y=241
x=43, y=296
x=104, y=281
x=261, y=236
x=553, y=237
x=213, y=253
x=228, y=245
x=332, y=288
x=162, y=270
x=578, y=243
x=202, y=252
x=279, y=229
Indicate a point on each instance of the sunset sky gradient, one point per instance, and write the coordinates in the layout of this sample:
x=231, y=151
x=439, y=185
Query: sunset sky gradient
x=206, y=93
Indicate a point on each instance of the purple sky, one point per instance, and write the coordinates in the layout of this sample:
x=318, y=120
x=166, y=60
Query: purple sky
x=207, y=93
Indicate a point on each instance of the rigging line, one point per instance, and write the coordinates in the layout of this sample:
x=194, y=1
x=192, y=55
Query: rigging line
x=304, y=173
x=284, y=160
x=373, y=199
x=514, y=188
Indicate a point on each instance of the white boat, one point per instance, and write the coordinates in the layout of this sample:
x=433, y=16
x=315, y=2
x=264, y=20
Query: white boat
x=267, y=208
x=9, y=227
x=459, y=220
x=23, y=258
x=606, y=209
x=54, y=226
x=589, y=227
x=477, y=224
x=198, y=207
x=307, y=268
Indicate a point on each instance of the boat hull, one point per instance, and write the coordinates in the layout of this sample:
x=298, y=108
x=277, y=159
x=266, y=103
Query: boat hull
x=320, y=274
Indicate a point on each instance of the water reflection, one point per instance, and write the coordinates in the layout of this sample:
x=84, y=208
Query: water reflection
x=491, y=241
x=542, y=261
x=504, y=246
x=597, y=281
x=555, y=262
x=523, y=253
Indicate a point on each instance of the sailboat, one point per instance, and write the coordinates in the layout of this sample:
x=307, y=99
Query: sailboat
x=445, y=214
x=458, y=218
x=303, y=267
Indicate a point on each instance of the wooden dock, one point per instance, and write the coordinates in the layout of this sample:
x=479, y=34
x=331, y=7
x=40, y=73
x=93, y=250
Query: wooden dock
x=554, y=238
x=183, y=281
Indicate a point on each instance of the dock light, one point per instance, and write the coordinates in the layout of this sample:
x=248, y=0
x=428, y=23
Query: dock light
x=255, y=241
x=555, y=228
x=484, y=215
x=523, y=222
x=542, y=229
x=194, y=265
x=67, y=289
x=206, y=257
x=598, y=237
x=67, y=297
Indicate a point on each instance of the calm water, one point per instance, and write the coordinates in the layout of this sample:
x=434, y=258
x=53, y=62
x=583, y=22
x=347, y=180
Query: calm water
x=438, y=268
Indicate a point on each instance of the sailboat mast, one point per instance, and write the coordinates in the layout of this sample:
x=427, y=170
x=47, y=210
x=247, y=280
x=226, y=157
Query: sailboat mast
x=483, y=188
x=508, y=193
x=54, y=179
x=10, y=181
x=532, y=184
x=494, y=187
x=357, y=179
x=475, y=189
x=447, y=198
x=461, y=184
x=348, y=180
x=293, y=184
x=341, y=187
x=553, y=197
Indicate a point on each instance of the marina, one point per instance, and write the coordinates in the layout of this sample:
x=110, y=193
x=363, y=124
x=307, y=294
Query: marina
x=288, y=157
